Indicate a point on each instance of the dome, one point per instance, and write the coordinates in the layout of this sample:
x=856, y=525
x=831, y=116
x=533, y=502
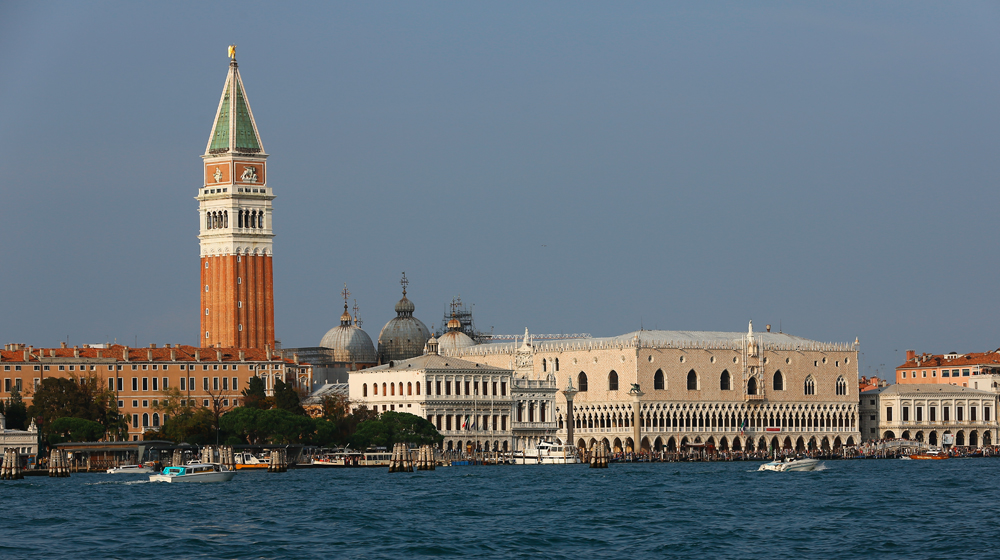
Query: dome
x=403, y=337
x=454, y=338
x=349, y=343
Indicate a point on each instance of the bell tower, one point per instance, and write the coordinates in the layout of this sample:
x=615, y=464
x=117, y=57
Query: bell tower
x=234, y=210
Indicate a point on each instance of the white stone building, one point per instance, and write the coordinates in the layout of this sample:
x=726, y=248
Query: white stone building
x=24, y=442
x=938, y=414
x=716, y=390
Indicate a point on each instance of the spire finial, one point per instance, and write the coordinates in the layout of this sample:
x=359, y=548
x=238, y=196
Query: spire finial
x=404, y=282
x=357, y=318
x=346, y=293
x=232, y=52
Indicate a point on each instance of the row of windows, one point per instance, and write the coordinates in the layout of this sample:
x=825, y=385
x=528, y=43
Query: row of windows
x=944, y=373
x=555, y=364
x=932, y=413
x=245, y=219
x=499, y=388
x=186, y=383
x=467, y=422
x=144, y=367
x=725, y=382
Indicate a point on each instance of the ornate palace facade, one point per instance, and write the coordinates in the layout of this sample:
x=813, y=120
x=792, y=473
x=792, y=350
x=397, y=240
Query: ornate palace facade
x=715, y=390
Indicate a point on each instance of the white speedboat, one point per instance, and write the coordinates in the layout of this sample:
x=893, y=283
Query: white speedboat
x=194, y=472
x=132, y=469
x=548, y=453
x=786, y=465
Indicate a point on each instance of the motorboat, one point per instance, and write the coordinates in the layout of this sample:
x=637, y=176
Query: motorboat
x=194, y=472
x=788, y=465
x=930, y=454
x=548, y=453
x=132, y=469
x=247, y=460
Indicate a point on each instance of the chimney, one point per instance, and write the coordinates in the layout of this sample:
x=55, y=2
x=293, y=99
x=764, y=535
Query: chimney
x=769, y=328
x=26, y=354
x=295, y=358
x=125, y=353
x=149, y=354
x=152, y=345
x=62, y=344
x=197, y=355
x=76, y=352
x=267, y=351
x=173, y=355
x=98, y=352
x=52, y=353
x=218, y=355
x=911, y=355
x=243, y=356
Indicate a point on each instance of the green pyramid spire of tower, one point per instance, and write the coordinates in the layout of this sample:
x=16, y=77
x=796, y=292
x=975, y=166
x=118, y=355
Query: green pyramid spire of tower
x=235, y=130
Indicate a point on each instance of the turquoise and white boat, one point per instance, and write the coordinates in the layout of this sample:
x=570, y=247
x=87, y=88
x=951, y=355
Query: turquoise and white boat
x=194, y=472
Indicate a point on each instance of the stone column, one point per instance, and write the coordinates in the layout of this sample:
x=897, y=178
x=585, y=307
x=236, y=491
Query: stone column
x=569, y=392
x=636, y=432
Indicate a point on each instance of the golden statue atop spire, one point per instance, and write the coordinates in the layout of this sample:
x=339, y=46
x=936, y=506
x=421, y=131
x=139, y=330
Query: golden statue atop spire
x=232, y=52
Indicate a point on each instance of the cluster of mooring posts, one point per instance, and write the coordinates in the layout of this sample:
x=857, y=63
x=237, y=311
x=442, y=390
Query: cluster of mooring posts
x=58, y=463
x=227, y=457
x=177, y=458
x=278, y=461
x=599, y=457
x=11, y=469
x=400, y=461
x=425, y=458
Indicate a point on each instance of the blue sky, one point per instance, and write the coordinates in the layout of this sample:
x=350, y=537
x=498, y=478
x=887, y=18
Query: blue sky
x=569, y=167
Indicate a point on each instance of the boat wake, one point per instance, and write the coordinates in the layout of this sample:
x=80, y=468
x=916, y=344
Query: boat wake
x=117, y=482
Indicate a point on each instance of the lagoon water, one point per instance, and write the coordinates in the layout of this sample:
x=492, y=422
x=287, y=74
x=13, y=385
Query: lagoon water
x=852, y=509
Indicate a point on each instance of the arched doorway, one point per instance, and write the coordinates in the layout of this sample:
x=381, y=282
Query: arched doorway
x=671, y=444
x=800, y=445
x=932, y=438
x=889, y=434
x=974, y=438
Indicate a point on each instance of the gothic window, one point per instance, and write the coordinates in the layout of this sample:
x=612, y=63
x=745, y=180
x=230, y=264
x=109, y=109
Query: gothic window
x=156, y=420
x=810, y=386
x=543, y=365
x=613, y=381
x=145, y=420
x=384, y=389
x=725, y=382
x=409, y=388
x=779, y=381
x=841, y=386
x=658, y=379
x=692, y=381
x=364, y=390
x=557, y=364
x=239, y=219
x=582, y=382
x=208, y=220
x=752, y=386
x=418, y=387
x=225, y=219
x=260, y=219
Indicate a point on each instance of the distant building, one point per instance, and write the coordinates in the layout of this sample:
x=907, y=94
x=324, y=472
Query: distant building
x=470, y=403
x=404, y=336
x=869, y=383
x=25, y=442
x=140, y=376
x=717, y=390
x=976, y=370
x=938, y=414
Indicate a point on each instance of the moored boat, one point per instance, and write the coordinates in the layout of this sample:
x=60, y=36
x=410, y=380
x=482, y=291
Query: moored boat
x=247, y=460
x=548, y=453
x=931, y=454
x=194, y=472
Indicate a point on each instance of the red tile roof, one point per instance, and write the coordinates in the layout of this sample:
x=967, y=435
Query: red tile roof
x=938, y=360
x=118, y=352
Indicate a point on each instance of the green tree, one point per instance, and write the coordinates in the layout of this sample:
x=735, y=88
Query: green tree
x=245, y=423
x=287, y=398
x=74, y=429
x=255, y=396
x=287, y=427
x=394, y=427
x=15, y=411
x=59, y=397
x=192, y=425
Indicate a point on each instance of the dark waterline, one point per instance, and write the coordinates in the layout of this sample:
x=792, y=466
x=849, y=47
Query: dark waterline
x=852, y=509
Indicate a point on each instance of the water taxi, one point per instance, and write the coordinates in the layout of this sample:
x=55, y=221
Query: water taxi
x=132, y=469
x=791, y=465
x=247, y=460
x=194, y=472
x=548, y=453
x=931, y=454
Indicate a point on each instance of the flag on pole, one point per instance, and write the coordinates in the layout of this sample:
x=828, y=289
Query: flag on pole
x=743, y=424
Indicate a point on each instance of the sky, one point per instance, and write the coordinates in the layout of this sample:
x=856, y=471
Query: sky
x=571, y=167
